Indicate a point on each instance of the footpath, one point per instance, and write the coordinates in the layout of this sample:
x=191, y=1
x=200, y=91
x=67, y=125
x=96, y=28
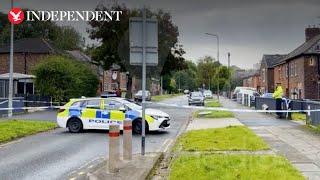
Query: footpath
x=288, y=138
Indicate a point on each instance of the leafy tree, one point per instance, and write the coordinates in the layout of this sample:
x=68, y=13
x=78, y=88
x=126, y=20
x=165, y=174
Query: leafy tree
x=63, y=37
x=207, y=71
x=114, y=38
x=64, y=78
x=186, y=79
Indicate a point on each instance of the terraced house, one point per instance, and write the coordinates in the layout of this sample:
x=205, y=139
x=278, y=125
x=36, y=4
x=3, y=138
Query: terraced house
x=299, y=71
x=268, y=62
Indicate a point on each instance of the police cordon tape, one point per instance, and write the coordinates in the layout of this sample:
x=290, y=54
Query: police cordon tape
x=178, y=106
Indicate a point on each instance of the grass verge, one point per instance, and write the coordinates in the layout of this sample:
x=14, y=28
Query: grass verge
x=221, y=139
x=212, y=103
x=214, y=114
x=12, y=129
x=218, y=166
x=299, y=116
x=163, y=97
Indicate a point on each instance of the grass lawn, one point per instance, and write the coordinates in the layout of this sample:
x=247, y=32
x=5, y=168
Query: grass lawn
x=13, y=129
x=298, y=116
x=218, y=166
x=212, y=103
x=163, y=97
x=214, y=114
x=220, y=139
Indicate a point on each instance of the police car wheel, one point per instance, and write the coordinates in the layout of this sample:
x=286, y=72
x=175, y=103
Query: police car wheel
x=75, y=125
x=137, y=127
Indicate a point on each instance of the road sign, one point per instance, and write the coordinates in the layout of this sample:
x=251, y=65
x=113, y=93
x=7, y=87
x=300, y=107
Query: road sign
x=136, y=41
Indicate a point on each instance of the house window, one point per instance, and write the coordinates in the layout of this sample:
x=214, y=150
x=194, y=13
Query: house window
x=263, y=75
x=291, y=69
x=287, y=70
x=295, y=69
x=311, y=62
x=279, y=73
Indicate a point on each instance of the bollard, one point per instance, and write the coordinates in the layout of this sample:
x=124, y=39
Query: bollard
x=308, y=121
x=114, y=141
x=127, y=139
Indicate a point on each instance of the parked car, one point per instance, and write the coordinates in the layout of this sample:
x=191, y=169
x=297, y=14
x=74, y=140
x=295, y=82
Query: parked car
x=138, y=96
x=186, y=91
x=196, y=98
x=107, y=94
x=207, y=94
x=99, y=113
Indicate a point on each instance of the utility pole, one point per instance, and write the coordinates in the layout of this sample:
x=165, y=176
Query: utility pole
x=229, y=87
x=10, y=97
x=218, y=58
x=143, y=131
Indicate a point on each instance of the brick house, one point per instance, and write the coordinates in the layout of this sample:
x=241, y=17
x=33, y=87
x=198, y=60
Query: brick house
x=253, y=81
x=28, y=52
x=299, y=71
x=267, y=71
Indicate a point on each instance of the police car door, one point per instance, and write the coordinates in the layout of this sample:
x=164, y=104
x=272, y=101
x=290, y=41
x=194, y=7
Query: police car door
x=114, y=111
x=89, y=114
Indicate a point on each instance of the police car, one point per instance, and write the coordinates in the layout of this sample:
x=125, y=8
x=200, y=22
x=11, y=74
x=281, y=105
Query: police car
x=98, y=113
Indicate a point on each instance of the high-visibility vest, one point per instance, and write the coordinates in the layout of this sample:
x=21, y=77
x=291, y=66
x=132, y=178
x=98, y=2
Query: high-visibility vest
x=278, y=93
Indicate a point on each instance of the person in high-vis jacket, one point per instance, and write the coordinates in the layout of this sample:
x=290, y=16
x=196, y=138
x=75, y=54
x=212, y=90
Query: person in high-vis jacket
x=277, y=95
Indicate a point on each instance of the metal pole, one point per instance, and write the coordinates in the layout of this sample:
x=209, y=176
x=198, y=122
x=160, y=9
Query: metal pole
x=218, y=57
x=229, y=87
x=161, y=82
x=11, y=70
x=143, y=132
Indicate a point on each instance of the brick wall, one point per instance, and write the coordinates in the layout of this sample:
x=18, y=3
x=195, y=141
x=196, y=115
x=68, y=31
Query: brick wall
x=21, y=62
x=311, y=77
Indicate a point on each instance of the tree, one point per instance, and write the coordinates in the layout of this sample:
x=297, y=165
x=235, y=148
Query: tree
x=186, y=79
x=63, y=37
x=207, y=71
x=114, y=38
x=64, y=78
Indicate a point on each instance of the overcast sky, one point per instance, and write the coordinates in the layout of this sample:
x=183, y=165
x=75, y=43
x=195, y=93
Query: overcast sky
x=247, y=28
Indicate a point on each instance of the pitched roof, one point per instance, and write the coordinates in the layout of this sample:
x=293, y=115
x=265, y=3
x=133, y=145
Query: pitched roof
x=29, y=45
x=16, y=76
x=80, y=56
x=304, y=48
x=272, y=59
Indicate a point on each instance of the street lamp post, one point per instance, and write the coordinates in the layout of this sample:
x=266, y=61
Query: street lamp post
x=229, y=87
x=10, y=96
x=218, y=47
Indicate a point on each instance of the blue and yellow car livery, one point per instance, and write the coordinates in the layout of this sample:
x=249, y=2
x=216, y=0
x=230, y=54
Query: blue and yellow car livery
x=98, y=113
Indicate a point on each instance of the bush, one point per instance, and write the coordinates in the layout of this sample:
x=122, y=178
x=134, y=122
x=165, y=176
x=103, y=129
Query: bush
x=64, y=78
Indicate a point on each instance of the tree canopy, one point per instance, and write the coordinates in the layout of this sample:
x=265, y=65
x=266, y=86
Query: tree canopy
x=63, y=78
x=114, y=38
x=63, y=37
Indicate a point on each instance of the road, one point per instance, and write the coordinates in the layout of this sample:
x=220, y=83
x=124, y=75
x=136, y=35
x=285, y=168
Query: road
x=57, y=153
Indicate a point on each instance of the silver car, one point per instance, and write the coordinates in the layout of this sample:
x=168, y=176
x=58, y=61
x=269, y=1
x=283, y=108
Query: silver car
x=138, y=96
x=196, y=98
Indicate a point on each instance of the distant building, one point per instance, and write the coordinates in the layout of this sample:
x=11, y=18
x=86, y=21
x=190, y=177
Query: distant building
x=267, y=84
x=253, y=81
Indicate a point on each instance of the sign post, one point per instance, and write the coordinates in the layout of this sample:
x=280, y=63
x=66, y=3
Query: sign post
x=143, y=35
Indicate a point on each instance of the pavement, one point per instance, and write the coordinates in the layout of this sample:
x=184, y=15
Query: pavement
x=288, y=138
x=58, y=154
x=203, y=123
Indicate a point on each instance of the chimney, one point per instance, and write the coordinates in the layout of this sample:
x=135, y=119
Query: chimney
x=311, y=32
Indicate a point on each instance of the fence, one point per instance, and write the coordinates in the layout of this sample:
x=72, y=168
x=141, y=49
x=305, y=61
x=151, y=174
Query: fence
x=16, y=103
x=262, y=103
x=24, y=101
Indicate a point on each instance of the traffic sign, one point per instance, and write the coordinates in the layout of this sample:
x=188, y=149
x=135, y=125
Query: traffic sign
x=136, y=41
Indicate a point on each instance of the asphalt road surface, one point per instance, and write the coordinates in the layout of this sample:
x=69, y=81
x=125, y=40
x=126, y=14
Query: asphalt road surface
x=58, y=153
